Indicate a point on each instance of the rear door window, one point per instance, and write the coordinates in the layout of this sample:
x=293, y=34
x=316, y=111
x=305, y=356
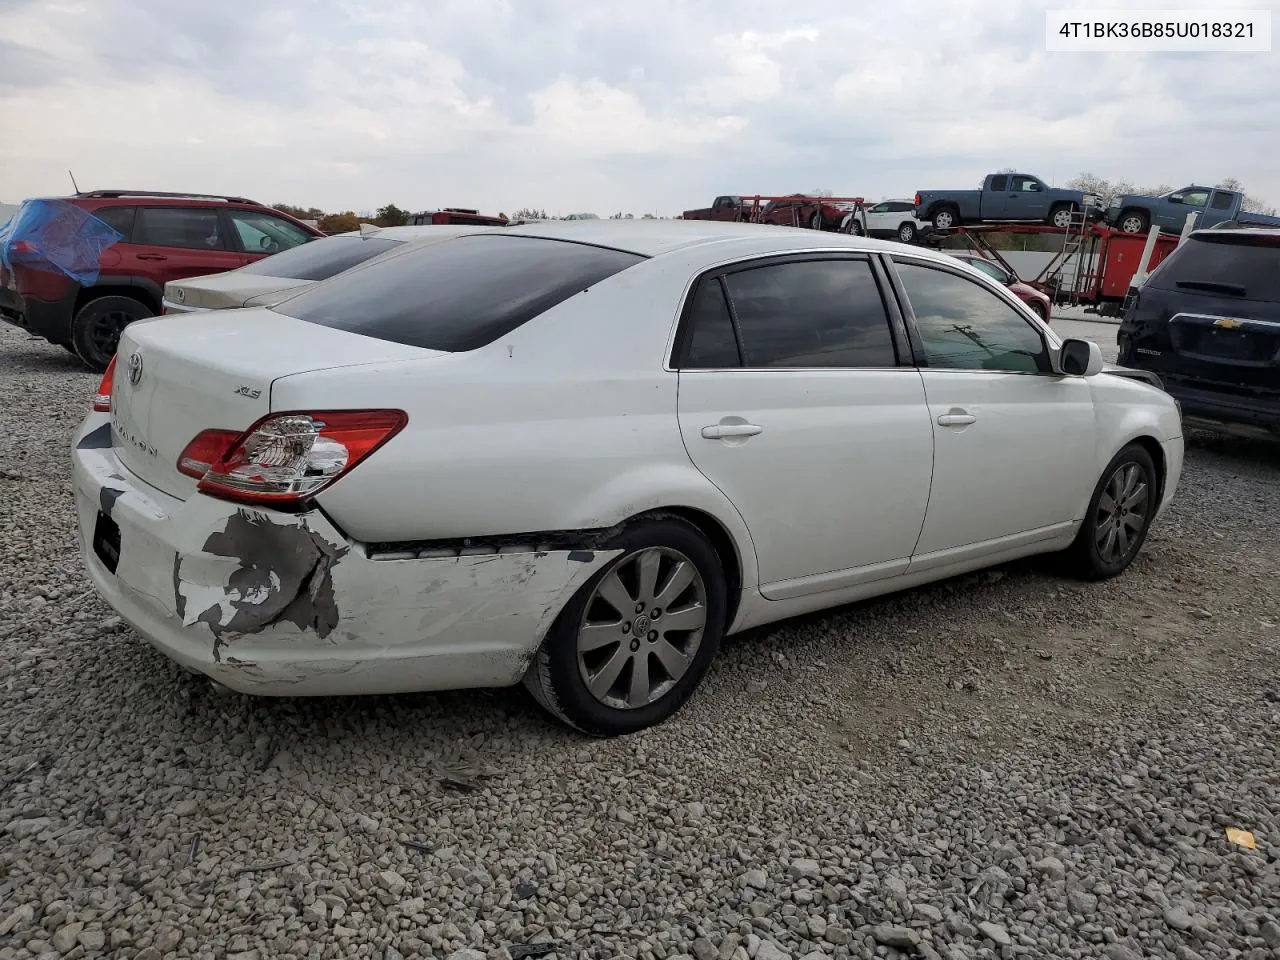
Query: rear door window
x=459, y=295
x=196, y=228
x=1219, y=264
x=794, y=314
x=321, y=259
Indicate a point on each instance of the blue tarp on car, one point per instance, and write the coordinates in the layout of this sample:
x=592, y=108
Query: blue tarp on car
x=57, y=235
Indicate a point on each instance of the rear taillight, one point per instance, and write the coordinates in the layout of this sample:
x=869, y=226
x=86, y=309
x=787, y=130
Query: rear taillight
x=917, y=200
x=205, y=450
x=102, y=401
x=288, y=457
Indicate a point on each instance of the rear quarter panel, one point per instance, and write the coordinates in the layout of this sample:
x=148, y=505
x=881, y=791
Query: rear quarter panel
x=568, y=423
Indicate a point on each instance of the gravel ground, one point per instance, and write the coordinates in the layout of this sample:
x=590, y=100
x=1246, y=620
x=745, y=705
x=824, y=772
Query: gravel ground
x=1003, y=765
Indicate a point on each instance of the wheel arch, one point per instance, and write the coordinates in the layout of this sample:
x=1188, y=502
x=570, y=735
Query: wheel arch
x=144, y=291
x=727, y=549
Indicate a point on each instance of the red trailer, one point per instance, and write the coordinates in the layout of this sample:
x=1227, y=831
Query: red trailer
x=1096, y=265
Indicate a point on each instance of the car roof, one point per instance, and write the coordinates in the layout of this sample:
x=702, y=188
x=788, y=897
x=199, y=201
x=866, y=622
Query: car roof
x=651, y=238
x=437, y=230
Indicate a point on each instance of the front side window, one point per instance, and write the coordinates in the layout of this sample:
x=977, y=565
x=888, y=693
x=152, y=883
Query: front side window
x=965, y=326
x=814, y=313
x=880, y=208
x=1026, y=184
x=1195, y=198
x=263, y=233
x=196, y=228
x=990, y=269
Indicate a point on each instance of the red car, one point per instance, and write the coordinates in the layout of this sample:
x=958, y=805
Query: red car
x=799, y=210
x=77, y=270
x=1029, y=295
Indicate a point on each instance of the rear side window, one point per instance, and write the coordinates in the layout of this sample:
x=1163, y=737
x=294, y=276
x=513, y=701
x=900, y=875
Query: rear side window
x=198, y=228
x=321, y=259
x=118, y=218
x=1223, y=265
x=999, y=183
x=1222, y=201
x=459, y=295
x=811, y=313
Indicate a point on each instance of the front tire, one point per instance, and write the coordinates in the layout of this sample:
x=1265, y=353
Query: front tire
x=629, y=649
x=1060, y=216
x=95, y=332
x=1120, y=514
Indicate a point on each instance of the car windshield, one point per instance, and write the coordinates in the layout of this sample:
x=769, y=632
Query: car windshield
x=990, y=269
x=321, y=259
x=1224, y=262
x=459, y=295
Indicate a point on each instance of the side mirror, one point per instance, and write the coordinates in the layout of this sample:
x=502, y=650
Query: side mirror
x=1175, y=198
x=1080, y=358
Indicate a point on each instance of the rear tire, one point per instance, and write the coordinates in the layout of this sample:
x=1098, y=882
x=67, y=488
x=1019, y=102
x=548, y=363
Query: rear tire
x=1039, y=311
x=907, y=232
x=95, y=332
x=586, y=676
x=1119, y=516
x=1133, y=221
x=946, y=218
x=815, y=223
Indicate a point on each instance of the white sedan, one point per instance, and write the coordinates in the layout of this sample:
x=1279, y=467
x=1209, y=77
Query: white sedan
x=266, y=282
x=577, y=455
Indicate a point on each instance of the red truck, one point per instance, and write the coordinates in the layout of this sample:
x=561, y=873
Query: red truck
x=793, y=210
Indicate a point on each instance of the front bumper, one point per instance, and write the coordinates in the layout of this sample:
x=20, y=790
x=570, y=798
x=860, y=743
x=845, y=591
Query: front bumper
x=285, y=605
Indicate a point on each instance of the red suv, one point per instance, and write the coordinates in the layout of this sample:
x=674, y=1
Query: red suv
x=154, y=238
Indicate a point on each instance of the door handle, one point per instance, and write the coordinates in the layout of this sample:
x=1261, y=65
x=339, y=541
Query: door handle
x=721, y=431
x=152, y=256
x=956, y=419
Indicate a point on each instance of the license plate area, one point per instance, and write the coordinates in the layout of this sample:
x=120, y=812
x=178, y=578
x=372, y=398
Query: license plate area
x=106, y=542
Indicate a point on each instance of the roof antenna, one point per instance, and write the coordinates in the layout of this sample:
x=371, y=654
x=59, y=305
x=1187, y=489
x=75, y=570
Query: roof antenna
x=74, y=186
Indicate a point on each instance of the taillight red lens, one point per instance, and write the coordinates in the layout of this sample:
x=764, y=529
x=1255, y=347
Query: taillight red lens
x=917, y=199
x=289, y=457
x=205, y=450
x=102, y=401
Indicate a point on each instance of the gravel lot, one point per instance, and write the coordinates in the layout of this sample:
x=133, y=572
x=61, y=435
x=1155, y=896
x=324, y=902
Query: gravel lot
x=1004, y=765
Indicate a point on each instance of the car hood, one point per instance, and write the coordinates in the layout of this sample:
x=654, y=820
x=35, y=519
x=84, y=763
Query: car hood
x=220, y=291
x=1146, y=376
x=1023, y=290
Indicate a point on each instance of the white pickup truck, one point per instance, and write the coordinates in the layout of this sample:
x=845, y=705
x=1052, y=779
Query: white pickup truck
x=894, y=219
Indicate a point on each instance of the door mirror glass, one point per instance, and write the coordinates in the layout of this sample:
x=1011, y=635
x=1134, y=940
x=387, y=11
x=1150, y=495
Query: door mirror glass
x=1080, y=358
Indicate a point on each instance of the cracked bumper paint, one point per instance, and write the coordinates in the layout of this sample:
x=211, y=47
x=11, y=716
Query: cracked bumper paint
x=282, y=604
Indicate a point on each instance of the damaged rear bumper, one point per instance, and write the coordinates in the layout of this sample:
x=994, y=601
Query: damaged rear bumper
x=283, y=604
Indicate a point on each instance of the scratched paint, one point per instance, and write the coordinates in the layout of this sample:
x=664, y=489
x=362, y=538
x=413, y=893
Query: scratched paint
x=283, y=573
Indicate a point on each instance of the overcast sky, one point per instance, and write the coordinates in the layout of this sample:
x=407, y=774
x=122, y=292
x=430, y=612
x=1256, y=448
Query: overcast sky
x=603, y=105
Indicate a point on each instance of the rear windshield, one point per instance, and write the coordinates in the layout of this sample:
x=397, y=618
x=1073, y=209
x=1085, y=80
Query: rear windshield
x=1223, y=264
x=459, y=295
x=321, y=259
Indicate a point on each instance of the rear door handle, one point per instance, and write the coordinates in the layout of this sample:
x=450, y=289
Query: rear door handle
x=721, y=431
x=152, y=256
x=956, y=419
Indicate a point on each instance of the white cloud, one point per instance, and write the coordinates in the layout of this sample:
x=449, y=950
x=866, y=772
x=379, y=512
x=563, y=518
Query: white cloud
x=559, y=104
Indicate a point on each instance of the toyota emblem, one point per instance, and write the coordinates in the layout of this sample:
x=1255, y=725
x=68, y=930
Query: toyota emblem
x=135, y=369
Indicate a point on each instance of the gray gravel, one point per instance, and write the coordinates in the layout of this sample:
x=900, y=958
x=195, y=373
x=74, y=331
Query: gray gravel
x=1004, y=765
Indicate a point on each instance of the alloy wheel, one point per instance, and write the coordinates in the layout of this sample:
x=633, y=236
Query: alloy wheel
x=642, y=628
x=1122, y=513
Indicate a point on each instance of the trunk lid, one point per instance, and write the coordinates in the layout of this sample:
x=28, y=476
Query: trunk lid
x=177, y=376
x=220, y=291
x=1211, y=313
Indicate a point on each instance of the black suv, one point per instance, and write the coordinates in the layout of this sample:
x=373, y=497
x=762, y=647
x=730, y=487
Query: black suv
x=1207, y=321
